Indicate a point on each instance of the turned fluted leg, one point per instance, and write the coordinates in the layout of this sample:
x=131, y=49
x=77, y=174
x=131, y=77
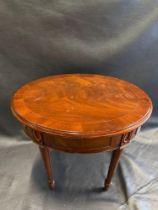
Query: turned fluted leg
x=47, y=163
x=113, y=165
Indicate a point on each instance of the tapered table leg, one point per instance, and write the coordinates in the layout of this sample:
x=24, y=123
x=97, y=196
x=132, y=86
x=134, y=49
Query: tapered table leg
x=45, y=153
x=113, y=165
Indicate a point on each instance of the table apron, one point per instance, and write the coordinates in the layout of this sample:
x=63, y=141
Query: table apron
x=80, y=145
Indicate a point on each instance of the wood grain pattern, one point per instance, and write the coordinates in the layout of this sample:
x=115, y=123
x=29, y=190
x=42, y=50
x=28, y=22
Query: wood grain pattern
x=80, y=145
x=81, y=113
x=81, y=105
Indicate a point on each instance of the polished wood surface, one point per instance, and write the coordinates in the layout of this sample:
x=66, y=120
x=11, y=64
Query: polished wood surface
x=80, y=145
x=81, y=113
x=112, y=167
x=45, y=153
x=81, y=104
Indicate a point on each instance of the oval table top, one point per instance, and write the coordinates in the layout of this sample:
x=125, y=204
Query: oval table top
x=85, y=105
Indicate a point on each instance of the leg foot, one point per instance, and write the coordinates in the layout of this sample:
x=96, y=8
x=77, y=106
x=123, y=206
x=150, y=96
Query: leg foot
x=45, y=153
x=106, y=185
x=113, y=165
x=51, y=184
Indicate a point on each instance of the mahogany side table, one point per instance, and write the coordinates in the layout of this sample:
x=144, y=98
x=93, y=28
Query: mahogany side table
x=81, y=113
